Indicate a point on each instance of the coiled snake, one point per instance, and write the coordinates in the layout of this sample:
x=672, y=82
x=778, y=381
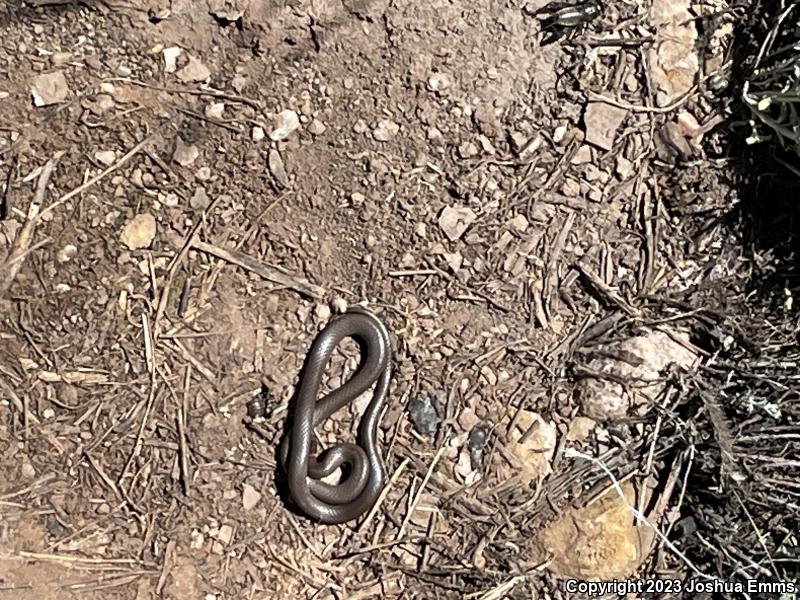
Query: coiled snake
x=337, y=503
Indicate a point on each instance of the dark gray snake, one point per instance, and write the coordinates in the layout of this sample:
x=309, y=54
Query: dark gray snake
x=355, y=495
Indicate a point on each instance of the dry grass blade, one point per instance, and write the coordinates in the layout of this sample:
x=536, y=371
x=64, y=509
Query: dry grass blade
x=19, y=248
x=298, y=284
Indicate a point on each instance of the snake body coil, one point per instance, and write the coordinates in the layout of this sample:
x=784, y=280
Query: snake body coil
x=355, y=495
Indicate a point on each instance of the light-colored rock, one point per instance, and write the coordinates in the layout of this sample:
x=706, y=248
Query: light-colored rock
x=468, y=150
x=250, y=497
x=105, y=157
x=601, y=121
x=215, y=110
x=688, y=124
x=257, y=134
x=49, y=88
x=580, y=428
x=316, y=127
x=439, y=82
x=533, y=443
x=194, y=71
x=386, y=130
x=454, y=221
x=200, y=199
x=139, y=232
x=673, y=60
x=286, y=123
x=643, y=363
x=225, y=535
x=599, y=542
x=171, y=55
x=277, y=169
x=185, y=154
x=67, y=253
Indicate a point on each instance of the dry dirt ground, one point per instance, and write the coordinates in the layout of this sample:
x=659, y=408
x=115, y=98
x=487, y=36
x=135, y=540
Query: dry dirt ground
x=445, y=168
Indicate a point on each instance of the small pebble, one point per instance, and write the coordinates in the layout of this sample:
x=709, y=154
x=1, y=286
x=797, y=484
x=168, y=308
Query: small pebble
x=424, y=416
x=250, y=497
x=385, y=130
x=67, y=253
x=316, y=127
x=286, y=123
x=105, y=157
x=139, y=231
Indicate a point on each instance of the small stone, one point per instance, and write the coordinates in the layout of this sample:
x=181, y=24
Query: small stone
x=238, y=83
x=258, y=134
x=67, y=253
x=580, y=428
x=533, y=443
x=687, y=124
x=185, y=154
x=424, y=415
x=26, y=470
x=583, y=155
x=435, y=136
x=139, y=231
x=103, y=509
x=467, y=420
x=203, y=173
x=468, y=150
x=250, y=497
x=200, y=199
x=454, y=221
x=438, y=82
x=486, y=144
x=322, y=313
x=286, y=123
x=571, y=188
x=48, y=413
x=624, y=167
x=102, y=104
x=170, y=57
x=277, y=169
x=316, y=127
x=464, y=465
x=601, y=121
x=225, y=534
x=124, y=71
x=488, y=374
x=105, y=157
x=519, y=224
x=454, y=260
x=385, y=130
x=339, y=305
x=361, y=126
x=215, y=110
x=49, y=88
x=194, y=71
x=559, y=134
x=518, y=141
x=59, y=59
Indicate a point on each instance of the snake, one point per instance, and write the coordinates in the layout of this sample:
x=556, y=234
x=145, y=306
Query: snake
x=361, y=462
